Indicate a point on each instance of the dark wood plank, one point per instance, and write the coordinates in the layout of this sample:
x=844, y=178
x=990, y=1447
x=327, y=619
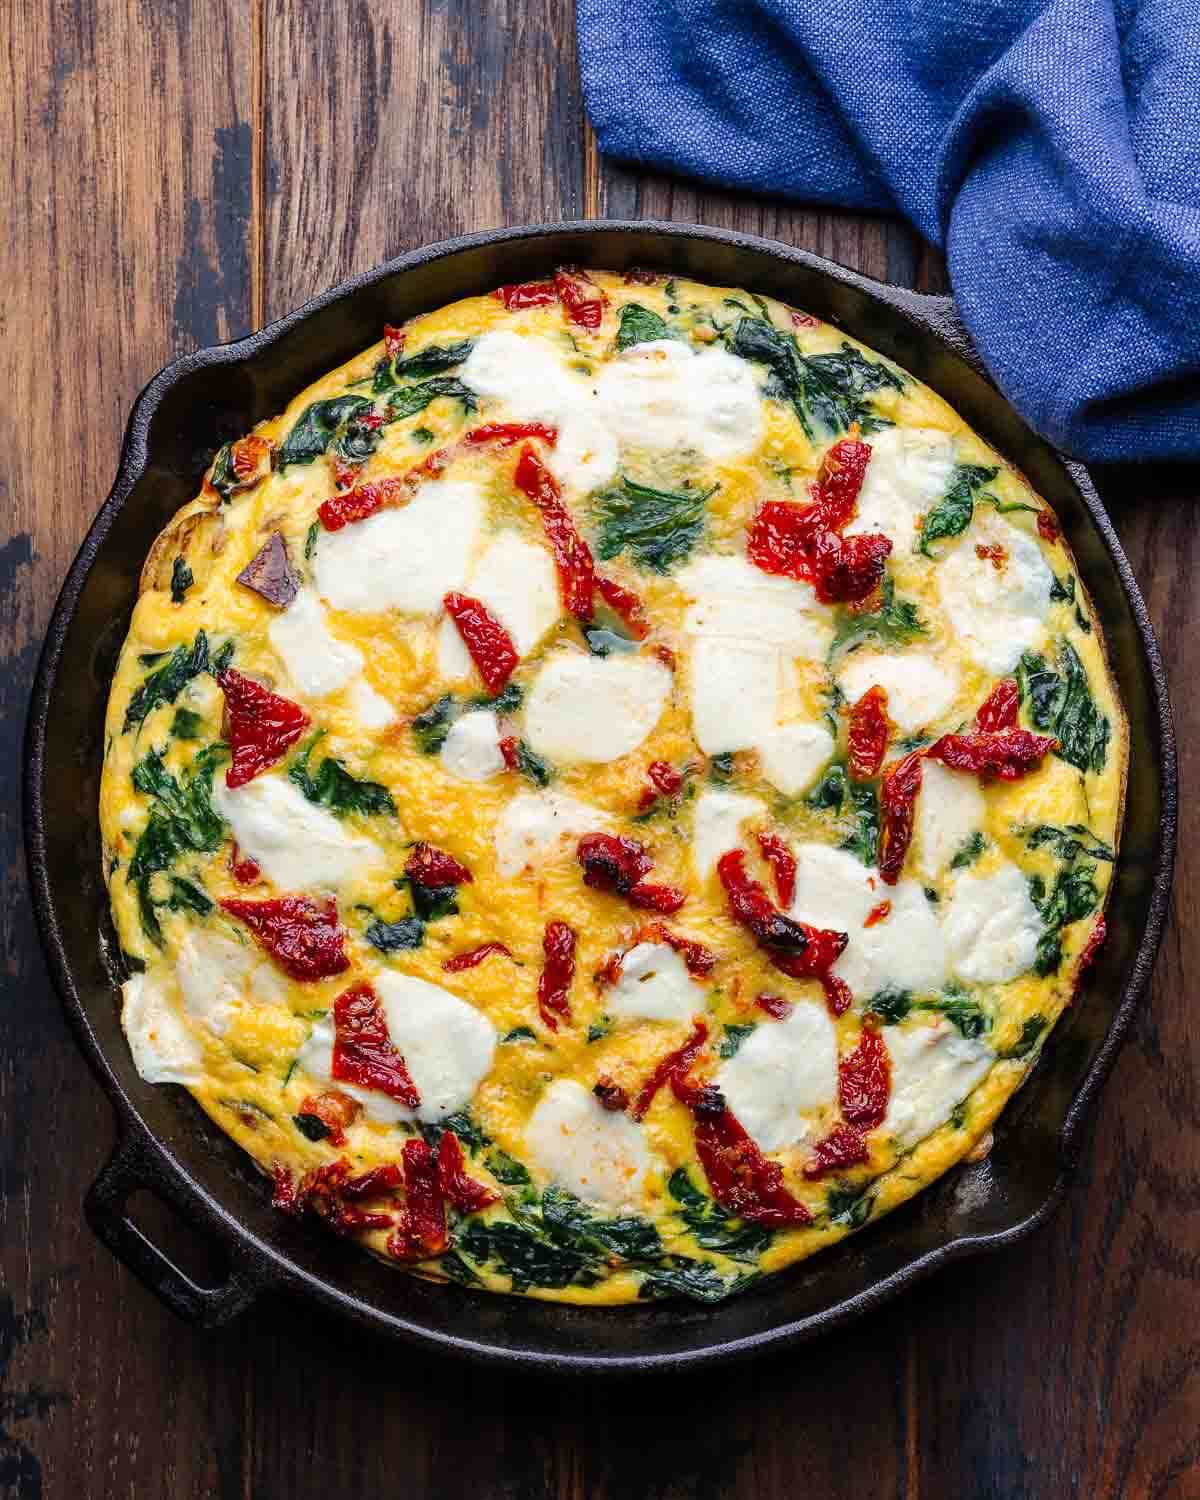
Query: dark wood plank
x=125, y=175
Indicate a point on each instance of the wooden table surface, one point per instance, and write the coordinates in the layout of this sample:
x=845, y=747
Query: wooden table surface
x=176, y=174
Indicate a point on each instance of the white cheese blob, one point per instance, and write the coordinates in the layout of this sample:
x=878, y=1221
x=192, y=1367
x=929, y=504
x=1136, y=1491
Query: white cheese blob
x=447, y=1046
x=934, y=1068
x=316, y=661
x=517, y=583
x=371, y=709
x=297, y=845
x=992, y=926
x=950, y=808
x=216, y=975
x=903, y=948
x=997, y=612
x=654, y=986
x=407, y=558
x=595, y=1153
x=667, y=395
x=909, y=471
x=794, y=755
x=471, y=750
x=586, y=455
x=919, y=689
x=731, y=599
x=783, y=1071
x=717, y=825
x=735, y=689
x=594, y=709
x=537, y=826
x=163, y=1048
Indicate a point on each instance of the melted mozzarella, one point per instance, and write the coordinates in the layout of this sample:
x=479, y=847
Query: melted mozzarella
x=536, y=826
x=717, y=825
x=447, y=1046
x=794, y=755
x=654, y=986
x=735, y=689
x=732, y=599
x=950, y=808
x=997, y=612
x=919, y=689
x=586, y=454
x=933, y=1070
x=909, y=471
x=317, y=662
x=371, y=709
x=216, y=975
x=406, y=558
x=594, y=709
x=162, y=1047
x=783, y=1071
x=471, y=749
x=517, y=582
x=597, y=1154
x=904, y=948
x=992, y=926
x=298, y=845
x=669, y=396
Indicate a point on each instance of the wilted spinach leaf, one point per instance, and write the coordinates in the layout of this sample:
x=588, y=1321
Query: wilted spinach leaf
x=395, y=937
x=316, y=427
x=676, y=1275
x=895, y=623
x=657, y=527
x=969, y=852
x=181, y=580
x=640, y=326
x=334, y=787
x=530, y=1259
x=166, y=682
x=1061, y=703
x=506, y=1169
x=629, y=1237
x=1026, y=1042
x=732, y=1038
x=711, y=1226
x=432, y=360
x=952, y=514
x=891, y=1004
x=414, y=398
x=183, y=821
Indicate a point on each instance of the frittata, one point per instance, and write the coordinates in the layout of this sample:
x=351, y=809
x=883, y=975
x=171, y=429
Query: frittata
x=608, y=792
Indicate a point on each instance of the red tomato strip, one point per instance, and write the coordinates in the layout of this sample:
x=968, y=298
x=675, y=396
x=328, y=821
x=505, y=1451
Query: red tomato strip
x=843, y=1147
x=558, y=973
x=774, y=1006
x=783, y=864
x=583, y=308
x=870, y=729
x=430, y=866
x=243, y=869
x=363, y=1052
x=421, y=1233
x=865, y=1080
x=472, y=957
x=459, y=1190
x=393, y=339
x=261, y=725
x=490, y=645
x=324, y=1191
x=572, y=556
x=617, y=864
x=742, y=1179
x=303, y=938
x=1094, y=943
x=1047, y=526
x=527, y=294
x=999, y=709
x=1007, y=756
x=335, y=1111
x=897, y=800
x=750, y=905
x=699, y=959
x=508, y=433
x=623, y=602
x=675, y=1062
x=359, y=503
x=878, y=913
x=611, y=1095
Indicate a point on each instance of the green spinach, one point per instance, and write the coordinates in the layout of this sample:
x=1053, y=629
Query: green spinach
x=1026, y=1042
x=640, y=326
x=1059, y=700
x=658, y=528
x=732, y=1038
x=415, y=398
x=952, y=514
x=710, y=1225
x=316, y=428
x=182, y=821
x=432, y=360
x=895, y=623
x=334, y=787
x=395, y=937
x=969, y=852
x=181, y=580
x=167, y=681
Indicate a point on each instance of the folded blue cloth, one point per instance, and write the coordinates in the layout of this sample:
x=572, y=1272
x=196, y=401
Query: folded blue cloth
x=1050, y=147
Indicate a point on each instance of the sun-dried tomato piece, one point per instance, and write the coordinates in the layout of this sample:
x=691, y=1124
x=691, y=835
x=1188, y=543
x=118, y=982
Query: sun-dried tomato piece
x=583, y=307
x=303, y=938
x=527, y=294
x=678, y=1061
x=667, y=781
x=325, y=1189
x=284, y=1194
x=363, y=1052
x=802, y=319
x=611, y=1095
x=558, y=973
x=848, y=569
x=838, y=995
x=842, y=1147
x=897, y=799
x=357, y=504
x=421, y=1233
x=1047, y=526
x=742, y=1179
x=1000, y=708
x=774, y=1006
x=838, y=481
x=243, y=869
x=865, y=1080
x=870, y=729
x=460, y=1190
x=372, y=1183
x=779, y=540
x=508, y=751
x=505, y=434
x=625, y=603
x=344, y=474
x=249, y=458
x=472, y=957
x=991, y=552
x=270, y=574
x=335, y=1110
x=1008, y=755
x=393, y=339
x=825, y=946
x=783, y=865
x=612, y=863
x=1095, y=942
x=490, y=645
x=430, y=866
x=698, y=959
x=664, y=899
x=572, y=556
x=750, y=905
x=878, y=913
x=262, y=725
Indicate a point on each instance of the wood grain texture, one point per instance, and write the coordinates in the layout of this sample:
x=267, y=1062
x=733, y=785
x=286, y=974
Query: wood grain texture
x=174, y=173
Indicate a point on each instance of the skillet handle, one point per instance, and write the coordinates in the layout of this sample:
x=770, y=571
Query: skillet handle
x=128, y=1169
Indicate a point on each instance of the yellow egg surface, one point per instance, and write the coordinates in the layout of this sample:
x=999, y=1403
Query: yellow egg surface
x=608, y=792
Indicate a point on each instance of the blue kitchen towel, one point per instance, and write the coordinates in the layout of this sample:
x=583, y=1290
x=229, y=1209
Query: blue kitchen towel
x=1050, y=147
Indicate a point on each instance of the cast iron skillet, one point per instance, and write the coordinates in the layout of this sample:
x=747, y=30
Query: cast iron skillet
x=168, y=1146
